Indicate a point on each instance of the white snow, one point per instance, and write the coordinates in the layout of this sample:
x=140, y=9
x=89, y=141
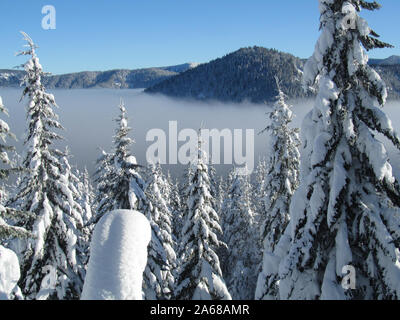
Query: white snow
x=4, y=76
x=118, y=257
x=48, y=284
x=9, y=273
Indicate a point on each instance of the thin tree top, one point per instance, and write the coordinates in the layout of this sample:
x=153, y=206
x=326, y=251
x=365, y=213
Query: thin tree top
x=30, y=44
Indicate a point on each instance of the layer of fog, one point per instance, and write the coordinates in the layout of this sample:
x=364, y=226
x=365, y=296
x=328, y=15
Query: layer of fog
x=88, y=115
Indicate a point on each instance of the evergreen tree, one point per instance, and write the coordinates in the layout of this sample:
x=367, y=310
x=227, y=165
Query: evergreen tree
x=102, y=178
x=86, y=191
x=159, y=212
x=346, y=210
x=200, y=276
x=221, y=196
x=179, y=220
x=70, y=178
x=212, y=173
x=175, y=204
x=86, y=201
x=259, y=185
x=223, y=214
x=7, y=214
x=120, y=185
x=280, y=181
x=50, y=269
x=8, y=167
x=240, y=234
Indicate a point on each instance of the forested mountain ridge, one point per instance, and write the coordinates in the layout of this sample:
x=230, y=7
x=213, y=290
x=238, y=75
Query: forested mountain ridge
x=118, y=79
x=391, y=75
x=392, y=60
x=244, y=75
x=248, y=74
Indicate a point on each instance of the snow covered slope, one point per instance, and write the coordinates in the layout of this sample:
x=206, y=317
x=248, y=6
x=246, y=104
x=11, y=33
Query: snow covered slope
x=181, y=67
x=9, y=273
x=118, y=257
x=392, y=60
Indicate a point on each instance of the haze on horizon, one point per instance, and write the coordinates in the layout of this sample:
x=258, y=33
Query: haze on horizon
x=88, y=117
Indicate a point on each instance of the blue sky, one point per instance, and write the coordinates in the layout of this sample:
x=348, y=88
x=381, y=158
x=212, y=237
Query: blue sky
x=112, y=34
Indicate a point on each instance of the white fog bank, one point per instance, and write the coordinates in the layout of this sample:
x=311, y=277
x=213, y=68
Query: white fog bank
x=88, y=116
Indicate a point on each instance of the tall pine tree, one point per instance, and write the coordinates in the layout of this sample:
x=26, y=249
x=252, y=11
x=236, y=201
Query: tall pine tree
x=8, y=167
x=346, y=210
x=160, y=214
x=50, y=269
x=175, y=204
x=241, y=236
x=259, y=185
x=121, y=186
x=200, y=276
x=87, y=195
x=280, y=182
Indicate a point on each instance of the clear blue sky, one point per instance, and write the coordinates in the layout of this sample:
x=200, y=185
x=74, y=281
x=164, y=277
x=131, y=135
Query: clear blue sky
x=111, y=34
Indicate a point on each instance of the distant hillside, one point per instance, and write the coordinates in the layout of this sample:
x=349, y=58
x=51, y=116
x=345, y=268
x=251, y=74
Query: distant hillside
x=121, y=79
x=124, y=79
x=391, y=75
x=247, y=74
x=393, y=60
x=10, y=78
x=182, y=67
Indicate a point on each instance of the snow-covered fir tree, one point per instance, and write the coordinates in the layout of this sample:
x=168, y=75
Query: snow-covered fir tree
x=241, y=236
x=200, y=276
x=185, y=185
x=50, y=269
x=223, y=214
x=8, y=165
x=280, y=182
x=9, y=270
x=346, y=210
x=212, y=173
x=86, y=199
x=87, y=194
x=175, y=204
x=71, y=177
x=120, y=185
x=7, y=231
x=259, y=185
x=178, y=220
x=160, y=214
x=221, y=196
x=104, y=172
